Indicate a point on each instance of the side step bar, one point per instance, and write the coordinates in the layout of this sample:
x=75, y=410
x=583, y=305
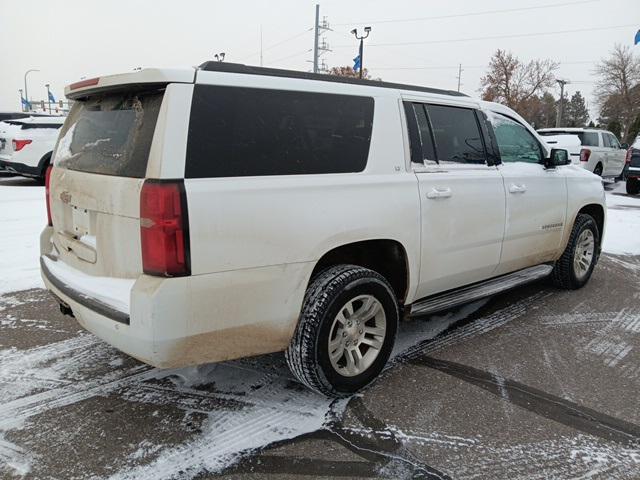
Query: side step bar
x=444, y=301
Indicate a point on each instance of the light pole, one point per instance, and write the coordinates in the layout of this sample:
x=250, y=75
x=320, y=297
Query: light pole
x=48, y=97
x=21, y=102
x=367, y=30
x=26, y=94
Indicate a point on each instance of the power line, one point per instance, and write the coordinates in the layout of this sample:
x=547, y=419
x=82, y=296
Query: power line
x=493, y=37
x=451, y=67
x=474, y=14
x=298, y=35
x=291, y=56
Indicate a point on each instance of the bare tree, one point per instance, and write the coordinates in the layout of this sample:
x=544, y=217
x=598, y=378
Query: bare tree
x=514, y=83
x=617, y=86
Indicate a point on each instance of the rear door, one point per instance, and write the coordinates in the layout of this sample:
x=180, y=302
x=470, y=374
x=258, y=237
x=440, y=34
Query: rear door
x=100, y=164
x=616, y=155
x=536, y=198
x=461, y=197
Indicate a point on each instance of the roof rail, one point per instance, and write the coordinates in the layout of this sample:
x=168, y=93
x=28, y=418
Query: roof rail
x=212, y=66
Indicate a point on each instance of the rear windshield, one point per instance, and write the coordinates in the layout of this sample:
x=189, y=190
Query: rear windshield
x=236, y=131
x=109, y=134
x=587, y=139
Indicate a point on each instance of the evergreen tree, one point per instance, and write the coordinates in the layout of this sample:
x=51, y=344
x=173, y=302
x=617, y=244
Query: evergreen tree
x=576, y=113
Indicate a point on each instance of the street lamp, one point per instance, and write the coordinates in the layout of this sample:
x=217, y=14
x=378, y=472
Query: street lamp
x=219, y=57
x=48, y=97
x=26, y=94
x=367, y=30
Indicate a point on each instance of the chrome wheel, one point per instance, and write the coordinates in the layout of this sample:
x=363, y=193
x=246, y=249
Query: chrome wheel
x=357, y=335
x=583, y=255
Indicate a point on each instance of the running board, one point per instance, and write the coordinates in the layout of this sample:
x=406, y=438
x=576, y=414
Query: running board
x=444, y=301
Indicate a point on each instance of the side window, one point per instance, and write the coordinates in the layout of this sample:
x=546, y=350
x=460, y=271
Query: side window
x=613, y=141
x=515, y=142
x=238, y=131
x=456, y=134
x=605, y=140
x=424, y=151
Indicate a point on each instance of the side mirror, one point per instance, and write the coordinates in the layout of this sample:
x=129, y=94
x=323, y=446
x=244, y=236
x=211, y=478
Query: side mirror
x=557, y=157
x=624, y=146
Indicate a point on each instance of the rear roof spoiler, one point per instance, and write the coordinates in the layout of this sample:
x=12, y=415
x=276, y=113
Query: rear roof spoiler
x=141, y=78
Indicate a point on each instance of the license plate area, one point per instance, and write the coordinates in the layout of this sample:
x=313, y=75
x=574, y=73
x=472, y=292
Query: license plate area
x=81, y=221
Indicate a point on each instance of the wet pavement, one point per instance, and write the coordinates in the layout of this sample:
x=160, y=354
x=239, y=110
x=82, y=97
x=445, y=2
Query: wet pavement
x=533, y=383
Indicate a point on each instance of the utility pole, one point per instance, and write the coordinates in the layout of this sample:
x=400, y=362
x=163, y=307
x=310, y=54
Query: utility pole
x=319, y=48
x=562, y=83
x=316, y=35
x=459, y=75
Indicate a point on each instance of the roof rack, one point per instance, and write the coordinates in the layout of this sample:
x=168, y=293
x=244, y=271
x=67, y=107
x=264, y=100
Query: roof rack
x=212, y=66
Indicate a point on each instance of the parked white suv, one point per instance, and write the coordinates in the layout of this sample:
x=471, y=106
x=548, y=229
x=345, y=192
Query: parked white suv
x=228, y=211
x=598, y=151
x=26, y=144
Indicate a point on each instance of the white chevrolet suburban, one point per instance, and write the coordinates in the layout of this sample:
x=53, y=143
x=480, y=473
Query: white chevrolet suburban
x=598, y=151
x=208, y=214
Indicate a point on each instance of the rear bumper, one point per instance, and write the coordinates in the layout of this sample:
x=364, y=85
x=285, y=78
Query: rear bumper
x=632, y=172
x=176, y=322
x=20, y=169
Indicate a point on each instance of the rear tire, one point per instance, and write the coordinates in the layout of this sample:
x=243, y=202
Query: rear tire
x=633, y=186
x=346, y=331
x=575, y=266
x=598, y=170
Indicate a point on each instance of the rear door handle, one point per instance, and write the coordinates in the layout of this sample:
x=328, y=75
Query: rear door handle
x=439, y=193
x=517, y=188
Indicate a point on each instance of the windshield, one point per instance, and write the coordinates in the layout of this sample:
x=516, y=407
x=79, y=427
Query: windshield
x=109, y=134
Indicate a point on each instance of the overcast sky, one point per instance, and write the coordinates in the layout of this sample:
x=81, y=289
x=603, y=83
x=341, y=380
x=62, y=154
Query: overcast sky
x=70, y=39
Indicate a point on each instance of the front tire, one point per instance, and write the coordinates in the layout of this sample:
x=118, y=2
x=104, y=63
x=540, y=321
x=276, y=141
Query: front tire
x=346, y=331
x=633, y=186
x=575, y=266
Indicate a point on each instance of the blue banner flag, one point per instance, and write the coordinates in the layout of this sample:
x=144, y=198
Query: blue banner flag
x=356, y=64
x=52, y=98
x=25, y=103
x=637, y=39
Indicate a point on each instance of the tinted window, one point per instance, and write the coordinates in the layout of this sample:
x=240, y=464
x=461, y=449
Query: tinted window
x=109, y=134
x=456, y=133
x=515, y=142
x=421, y=141
x=588, y=139
x=244, y=131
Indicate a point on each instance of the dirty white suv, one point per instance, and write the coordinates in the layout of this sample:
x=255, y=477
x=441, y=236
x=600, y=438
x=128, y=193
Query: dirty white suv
x=207, y=214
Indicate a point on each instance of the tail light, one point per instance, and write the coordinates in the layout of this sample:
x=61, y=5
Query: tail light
x=627, y=159
x=164, y=228
x=20, y=144
x=47, y=180
x=585, y=153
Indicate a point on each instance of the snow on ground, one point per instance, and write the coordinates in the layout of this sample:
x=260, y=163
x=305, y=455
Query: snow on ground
x=23, y=214
x=54, y=375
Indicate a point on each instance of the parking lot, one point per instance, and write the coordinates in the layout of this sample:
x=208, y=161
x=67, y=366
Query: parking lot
x=533, y=383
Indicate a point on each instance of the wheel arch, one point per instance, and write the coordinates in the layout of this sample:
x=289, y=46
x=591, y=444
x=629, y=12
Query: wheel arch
x=388, y=257
x=597, y=211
